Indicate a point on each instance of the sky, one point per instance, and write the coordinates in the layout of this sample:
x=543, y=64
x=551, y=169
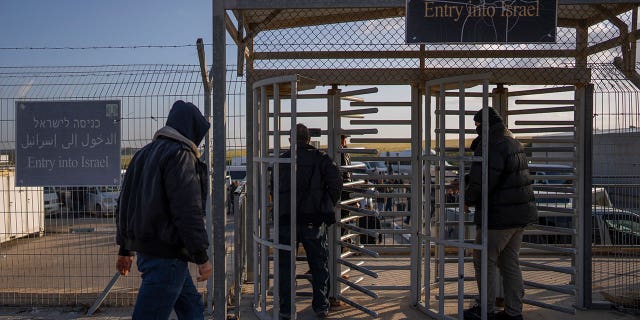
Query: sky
x=87, y=23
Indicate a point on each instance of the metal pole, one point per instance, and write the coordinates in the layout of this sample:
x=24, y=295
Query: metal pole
x=207, y=159
x=485, y=196
x=417, y=167
x=249, y=186
x=334, y=126
x=218, y=128
x=584, y=111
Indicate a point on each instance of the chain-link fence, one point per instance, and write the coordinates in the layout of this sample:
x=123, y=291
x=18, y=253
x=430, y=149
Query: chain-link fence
x=616, y=224
x=63, y=253
x=58, y=242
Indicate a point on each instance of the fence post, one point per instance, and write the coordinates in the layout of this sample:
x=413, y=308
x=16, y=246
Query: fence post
x=206, y=83
x=219, y=127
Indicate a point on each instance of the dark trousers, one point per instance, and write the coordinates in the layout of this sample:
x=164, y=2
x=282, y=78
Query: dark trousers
x=314, y=241
x=166, y=285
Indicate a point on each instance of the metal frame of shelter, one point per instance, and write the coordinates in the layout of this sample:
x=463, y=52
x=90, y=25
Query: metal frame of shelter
x=244, y=20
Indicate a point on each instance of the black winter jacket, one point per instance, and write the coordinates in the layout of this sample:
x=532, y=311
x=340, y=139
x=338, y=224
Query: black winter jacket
x=161, y=206
x=311, y=207
x=510, y=195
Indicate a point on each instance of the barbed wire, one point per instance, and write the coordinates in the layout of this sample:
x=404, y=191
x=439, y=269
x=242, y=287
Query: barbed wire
x=159, y=46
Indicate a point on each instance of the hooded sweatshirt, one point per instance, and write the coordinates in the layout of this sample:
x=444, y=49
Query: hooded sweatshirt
x=161, y=206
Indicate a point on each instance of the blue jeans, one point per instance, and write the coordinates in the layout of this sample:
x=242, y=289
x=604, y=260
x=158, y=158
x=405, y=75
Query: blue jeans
x=166, y=285
x=314, y=241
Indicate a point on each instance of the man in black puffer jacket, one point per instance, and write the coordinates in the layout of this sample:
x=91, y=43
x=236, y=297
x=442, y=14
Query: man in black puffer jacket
x=318, y=187
x=161, y=217
x=511, y=206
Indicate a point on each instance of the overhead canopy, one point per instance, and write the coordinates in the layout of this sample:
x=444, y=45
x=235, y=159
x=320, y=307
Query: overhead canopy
x=271, y=15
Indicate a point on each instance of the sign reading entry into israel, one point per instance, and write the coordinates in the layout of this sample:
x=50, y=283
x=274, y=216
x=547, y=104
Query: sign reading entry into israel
x=67, y=143
x=481, y=21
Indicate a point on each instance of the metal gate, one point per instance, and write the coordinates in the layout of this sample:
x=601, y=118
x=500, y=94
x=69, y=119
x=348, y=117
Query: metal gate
x=275, y=107
x=554, y=124
x=446, y=233
x=556, y=250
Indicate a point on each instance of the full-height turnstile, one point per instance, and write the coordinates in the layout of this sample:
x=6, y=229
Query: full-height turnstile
x=435, y=236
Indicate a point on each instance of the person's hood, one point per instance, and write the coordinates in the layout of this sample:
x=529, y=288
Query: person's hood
x=187, y=119
x=172, y=133
x=494, y=118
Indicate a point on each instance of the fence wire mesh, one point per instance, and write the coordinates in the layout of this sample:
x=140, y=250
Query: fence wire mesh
x=615, y=169
x=64, y=254
x=57, y=243
x=376, y=39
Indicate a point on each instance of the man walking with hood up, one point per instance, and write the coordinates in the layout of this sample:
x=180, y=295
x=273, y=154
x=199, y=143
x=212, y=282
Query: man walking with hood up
x=161, y=217
x=511, y=206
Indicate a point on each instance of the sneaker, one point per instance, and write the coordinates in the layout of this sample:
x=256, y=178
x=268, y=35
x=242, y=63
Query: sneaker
x=322, y=314
x=333, y=302
x=474, y=313
x=504, y=316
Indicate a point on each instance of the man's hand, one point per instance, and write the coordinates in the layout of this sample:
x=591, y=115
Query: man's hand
x=466, y=209
x=124, y=264
x=204, y=271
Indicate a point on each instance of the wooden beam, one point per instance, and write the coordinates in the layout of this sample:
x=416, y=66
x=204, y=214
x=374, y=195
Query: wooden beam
x=403, y=76
x=415, y=54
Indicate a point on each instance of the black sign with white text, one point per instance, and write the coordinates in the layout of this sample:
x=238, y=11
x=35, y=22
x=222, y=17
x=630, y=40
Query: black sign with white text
x=67, y=143
x=481, y=21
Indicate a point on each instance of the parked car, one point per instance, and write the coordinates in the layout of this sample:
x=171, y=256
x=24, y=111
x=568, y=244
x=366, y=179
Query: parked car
x=376, y=167
x=358, y=167
x=610, y=225
x=237, y=173
x=102, y=200
x=404, y=167
x=551, y=173
x=51, y=202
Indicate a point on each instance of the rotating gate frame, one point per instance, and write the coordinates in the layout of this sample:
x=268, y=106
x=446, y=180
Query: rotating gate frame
x=422, y=277
x=578, y=76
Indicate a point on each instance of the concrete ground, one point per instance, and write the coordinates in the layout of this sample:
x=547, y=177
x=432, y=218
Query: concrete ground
x=72, y=267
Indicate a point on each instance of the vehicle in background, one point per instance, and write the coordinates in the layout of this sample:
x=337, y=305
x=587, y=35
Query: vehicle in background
x=51, y=202
x=357, y=168
x=237, y=173
x=404, y=166
x=376, y=167
x=610, y=226
x=543, y=173
x=102, y=200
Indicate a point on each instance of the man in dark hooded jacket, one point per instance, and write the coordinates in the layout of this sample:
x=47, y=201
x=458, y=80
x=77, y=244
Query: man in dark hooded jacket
x=161, y=217
x=511, y=206
x=318, y=190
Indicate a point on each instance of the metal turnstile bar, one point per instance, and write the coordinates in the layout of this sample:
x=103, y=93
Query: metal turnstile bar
x=558, y=230
x=562, y=250
x=543, y=101
x=545, y=129
x=381, y=104
x=567, y=270
x=568, y=289
x=357, y=306
x=544, y=123
x=381, y=122
x=358, y=268
x=381, y=140
x=549, y=306
x=358, y=112
x=358, y=287
x=541, y=110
